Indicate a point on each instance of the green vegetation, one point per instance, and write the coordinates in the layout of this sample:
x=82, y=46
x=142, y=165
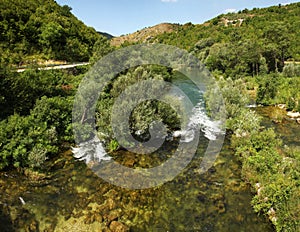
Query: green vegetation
x=38, y=120
x=36, y=106
x=19, y=91
x=37, y=30
x=272, y=170
x=245, y=55
x=279, y=89
x=261, y=43
x=143, y=114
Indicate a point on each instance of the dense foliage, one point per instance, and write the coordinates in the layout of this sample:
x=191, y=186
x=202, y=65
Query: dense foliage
x=279, y=89
x=264, y=40
x=36, y=106
x=36, y=114
x=19, y=91
x=247, y=54
x=272, y=170
x=27, y=141
x=34, y=30
x=143, y=114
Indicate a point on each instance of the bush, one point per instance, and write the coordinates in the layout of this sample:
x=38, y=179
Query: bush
x=273, y=172
x=291, y=70
x=20, y=137
x=26, y=141
x=143, y=114
x=267, y=89
x=37, y=157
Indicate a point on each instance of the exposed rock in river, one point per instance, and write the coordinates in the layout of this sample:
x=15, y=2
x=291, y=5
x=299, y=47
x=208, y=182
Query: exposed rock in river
x=293, y=114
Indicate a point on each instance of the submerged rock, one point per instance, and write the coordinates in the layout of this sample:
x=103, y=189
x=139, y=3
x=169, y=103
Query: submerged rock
x=129, y=162
x=116, y=226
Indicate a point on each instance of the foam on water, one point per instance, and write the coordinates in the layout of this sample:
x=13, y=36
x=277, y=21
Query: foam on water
x=91, y=151
x=200, y=120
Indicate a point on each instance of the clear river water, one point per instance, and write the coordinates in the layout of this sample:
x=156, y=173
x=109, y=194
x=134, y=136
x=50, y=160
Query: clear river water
x=70, y=197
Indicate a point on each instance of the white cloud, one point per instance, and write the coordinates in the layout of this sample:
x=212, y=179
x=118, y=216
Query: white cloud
x=229, y=11
x=169, y=0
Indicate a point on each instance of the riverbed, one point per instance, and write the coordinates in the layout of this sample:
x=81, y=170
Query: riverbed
x=70, y=197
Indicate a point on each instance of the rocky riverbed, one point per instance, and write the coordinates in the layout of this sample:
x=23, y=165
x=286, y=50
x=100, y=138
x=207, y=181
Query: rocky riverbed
x=68, y=196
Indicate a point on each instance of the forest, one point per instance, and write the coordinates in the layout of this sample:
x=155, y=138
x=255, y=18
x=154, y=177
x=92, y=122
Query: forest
x=253, y=54
x=41, y=30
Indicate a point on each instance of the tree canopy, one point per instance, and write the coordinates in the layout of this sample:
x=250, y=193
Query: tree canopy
x=42, y=29
x=246, y=42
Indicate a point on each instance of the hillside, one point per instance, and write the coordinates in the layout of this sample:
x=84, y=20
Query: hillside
x=106, y=35
x=248, y=42
x=145, y=34
x=48, y=167
x=34, y=30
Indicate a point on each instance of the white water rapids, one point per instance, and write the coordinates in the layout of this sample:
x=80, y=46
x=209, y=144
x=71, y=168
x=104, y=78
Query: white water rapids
x=93, y=150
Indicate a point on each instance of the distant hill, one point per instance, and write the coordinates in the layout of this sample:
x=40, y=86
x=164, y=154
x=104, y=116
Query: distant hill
x=42, y=29
x=246, y=23
x=106, y=35
x=145, y=34
x=249, y=42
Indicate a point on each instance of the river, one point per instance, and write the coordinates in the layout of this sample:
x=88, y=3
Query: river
x=70, y=197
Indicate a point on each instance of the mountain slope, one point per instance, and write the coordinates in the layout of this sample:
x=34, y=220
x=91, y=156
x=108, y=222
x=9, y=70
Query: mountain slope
x=249, y=42
x=42, y=29
x=145, y=34
x=248, y=39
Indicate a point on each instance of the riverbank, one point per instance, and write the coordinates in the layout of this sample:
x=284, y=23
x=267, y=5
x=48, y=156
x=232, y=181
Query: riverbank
x=270, y=163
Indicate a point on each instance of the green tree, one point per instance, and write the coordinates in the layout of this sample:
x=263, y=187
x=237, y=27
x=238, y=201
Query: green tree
x=267, y=89
x=278, y=40
x=101, y=48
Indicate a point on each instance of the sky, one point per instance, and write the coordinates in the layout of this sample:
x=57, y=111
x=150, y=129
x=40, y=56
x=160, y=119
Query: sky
x=120, y=17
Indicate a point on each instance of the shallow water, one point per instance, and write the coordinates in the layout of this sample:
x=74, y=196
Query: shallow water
x=288, y=129
x=70, y=197
x=215, y=201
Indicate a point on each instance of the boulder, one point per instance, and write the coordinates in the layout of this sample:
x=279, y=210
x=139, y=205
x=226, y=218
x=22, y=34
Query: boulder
x=282, y=106
x=116, y=226
x=293, y=114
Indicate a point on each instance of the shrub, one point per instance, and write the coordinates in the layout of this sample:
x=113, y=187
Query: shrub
x=291, y=70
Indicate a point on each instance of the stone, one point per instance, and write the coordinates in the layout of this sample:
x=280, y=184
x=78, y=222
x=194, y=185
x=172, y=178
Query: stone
x=129, y=163
x=293, y=114
x=116, y=226
x=113, y=215
x=201, y=197
x=281, y=106
x=111, y=204
x=221, y=207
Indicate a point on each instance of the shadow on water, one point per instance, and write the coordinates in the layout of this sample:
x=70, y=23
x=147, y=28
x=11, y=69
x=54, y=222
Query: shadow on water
x=5, y=220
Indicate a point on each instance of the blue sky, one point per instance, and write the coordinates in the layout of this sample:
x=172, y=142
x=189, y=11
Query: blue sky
x=119, y=17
